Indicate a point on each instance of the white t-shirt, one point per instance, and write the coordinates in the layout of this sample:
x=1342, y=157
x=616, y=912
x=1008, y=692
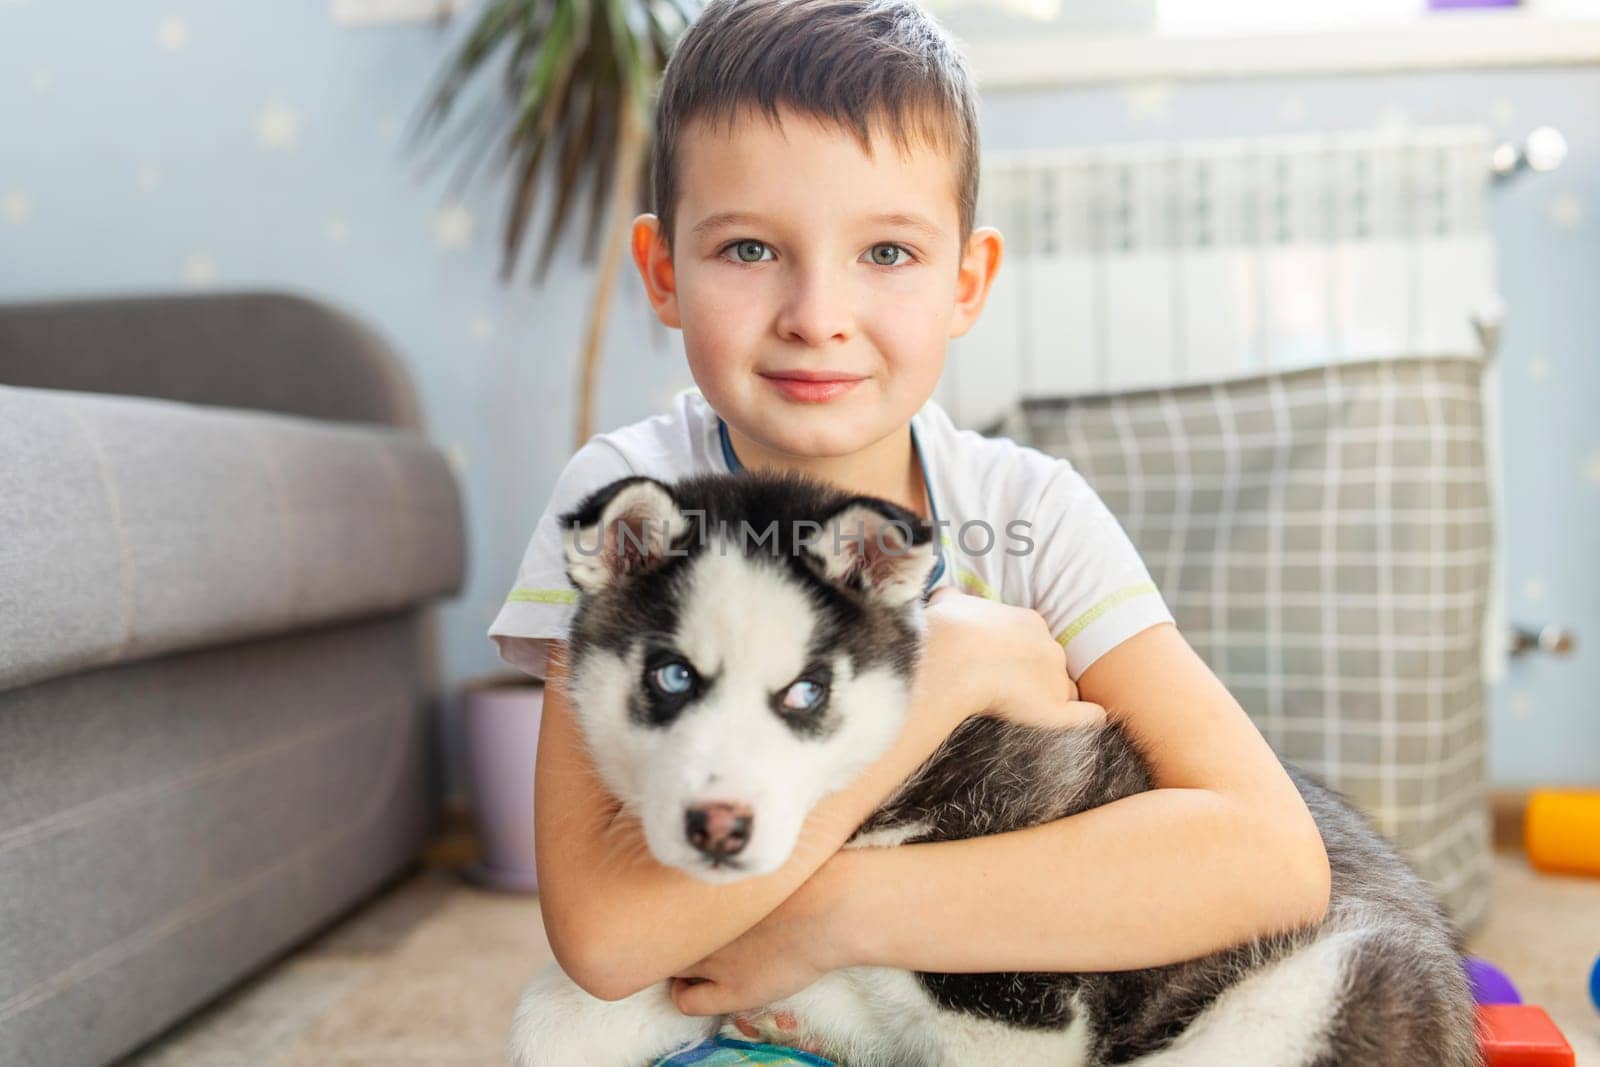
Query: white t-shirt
x=1072, y=563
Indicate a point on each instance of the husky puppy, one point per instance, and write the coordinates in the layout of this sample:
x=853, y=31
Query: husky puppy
x=744, y=645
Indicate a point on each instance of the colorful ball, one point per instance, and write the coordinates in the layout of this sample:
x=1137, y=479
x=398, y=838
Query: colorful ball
x=1489, y=983
x=1594, y=984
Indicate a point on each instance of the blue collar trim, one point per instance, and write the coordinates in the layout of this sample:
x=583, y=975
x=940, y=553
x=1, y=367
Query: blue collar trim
x=734, y=466
x=728, y=457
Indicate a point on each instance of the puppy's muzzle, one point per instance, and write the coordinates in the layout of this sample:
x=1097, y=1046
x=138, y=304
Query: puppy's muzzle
x=719, y=830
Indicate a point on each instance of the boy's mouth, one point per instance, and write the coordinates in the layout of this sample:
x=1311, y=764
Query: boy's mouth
x=811, y=387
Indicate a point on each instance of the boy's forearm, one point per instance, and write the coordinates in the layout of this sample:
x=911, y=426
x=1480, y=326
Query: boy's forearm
x=1149, y=880
x=649, y=922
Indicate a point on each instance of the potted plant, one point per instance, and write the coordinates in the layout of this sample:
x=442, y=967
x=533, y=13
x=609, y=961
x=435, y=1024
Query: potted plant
x=579, y=79
x=578, y=82
x=500, y=726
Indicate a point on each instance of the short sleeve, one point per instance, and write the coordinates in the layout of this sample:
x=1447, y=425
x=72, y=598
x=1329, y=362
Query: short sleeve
x=540, y=606
x=1088, y=580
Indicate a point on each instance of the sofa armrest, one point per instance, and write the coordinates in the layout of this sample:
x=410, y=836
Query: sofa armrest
x=131, y=527
x=263, y=351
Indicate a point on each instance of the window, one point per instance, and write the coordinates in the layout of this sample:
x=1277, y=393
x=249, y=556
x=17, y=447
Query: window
x=1215, y=18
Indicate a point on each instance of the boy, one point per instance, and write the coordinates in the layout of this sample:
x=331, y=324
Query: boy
x=814, y=181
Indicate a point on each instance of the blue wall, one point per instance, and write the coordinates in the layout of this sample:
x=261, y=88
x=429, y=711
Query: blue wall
x=149, y=146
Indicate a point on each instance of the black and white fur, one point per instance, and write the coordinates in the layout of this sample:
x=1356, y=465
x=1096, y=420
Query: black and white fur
x=1377, y=982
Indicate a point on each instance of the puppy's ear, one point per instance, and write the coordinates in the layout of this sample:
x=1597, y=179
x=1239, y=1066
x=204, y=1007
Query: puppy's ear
x=877, y=548
x=619, y=531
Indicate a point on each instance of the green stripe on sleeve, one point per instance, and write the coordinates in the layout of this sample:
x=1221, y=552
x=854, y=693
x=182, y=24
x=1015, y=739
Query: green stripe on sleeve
x=543, y=596
x=1082, y=621
x=968, y=580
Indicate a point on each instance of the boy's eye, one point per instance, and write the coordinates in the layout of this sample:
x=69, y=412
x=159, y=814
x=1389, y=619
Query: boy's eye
x=885, y=255
x=749, y=251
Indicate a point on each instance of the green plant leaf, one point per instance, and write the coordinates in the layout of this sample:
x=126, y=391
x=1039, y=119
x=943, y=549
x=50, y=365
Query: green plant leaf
x=571, y=67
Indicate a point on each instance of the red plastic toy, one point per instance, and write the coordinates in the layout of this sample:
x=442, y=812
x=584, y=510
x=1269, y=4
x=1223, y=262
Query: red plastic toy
x=1521, y=1035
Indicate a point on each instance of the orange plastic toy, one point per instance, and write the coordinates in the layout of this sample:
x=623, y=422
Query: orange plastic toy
x=1561, y=830
x=1521, y=1035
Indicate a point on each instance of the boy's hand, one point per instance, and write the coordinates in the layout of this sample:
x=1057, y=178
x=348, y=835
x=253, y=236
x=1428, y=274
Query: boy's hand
x=1005, y=659
x=796, y=944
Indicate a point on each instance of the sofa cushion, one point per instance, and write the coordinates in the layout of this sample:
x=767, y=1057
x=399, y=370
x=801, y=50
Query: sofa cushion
x=131, y=527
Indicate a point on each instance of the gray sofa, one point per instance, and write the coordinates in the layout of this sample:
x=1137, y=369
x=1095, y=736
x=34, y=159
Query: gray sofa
x=220, y=533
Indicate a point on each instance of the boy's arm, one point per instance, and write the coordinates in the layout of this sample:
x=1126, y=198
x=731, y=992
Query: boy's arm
x=1224, y=849
x=617, y=919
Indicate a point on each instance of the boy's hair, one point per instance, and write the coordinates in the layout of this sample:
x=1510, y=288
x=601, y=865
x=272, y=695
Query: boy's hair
x=849, y=62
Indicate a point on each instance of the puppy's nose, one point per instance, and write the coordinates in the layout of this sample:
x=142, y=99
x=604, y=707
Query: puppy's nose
x=719, y=829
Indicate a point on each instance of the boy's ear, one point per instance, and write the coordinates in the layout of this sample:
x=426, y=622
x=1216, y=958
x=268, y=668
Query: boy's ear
x=979, y=264
x=654, y=260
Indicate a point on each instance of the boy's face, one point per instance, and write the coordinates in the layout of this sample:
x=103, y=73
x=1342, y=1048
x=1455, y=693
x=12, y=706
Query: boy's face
x=786, y=261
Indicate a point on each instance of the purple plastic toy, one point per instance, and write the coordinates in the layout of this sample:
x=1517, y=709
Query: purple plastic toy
x=1594, y=984
x=1489, y=983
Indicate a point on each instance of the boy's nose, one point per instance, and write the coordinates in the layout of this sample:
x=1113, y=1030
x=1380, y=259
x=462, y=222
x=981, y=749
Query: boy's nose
x=815, y=312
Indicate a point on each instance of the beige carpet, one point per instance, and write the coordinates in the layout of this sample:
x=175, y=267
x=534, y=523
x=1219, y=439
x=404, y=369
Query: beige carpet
x=426, y=973
x=429, y=973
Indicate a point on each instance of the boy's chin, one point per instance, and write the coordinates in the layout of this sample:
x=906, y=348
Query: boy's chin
x=819, y=430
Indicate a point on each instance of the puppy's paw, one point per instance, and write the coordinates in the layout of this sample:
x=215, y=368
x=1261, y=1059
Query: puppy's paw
x=772, y=1027
x=558, y=1024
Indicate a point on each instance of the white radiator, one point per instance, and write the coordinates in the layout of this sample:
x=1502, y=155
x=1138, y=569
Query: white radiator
x=1140, y=266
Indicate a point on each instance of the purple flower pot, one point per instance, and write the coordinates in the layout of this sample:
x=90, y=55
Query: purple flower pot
x=500, y=728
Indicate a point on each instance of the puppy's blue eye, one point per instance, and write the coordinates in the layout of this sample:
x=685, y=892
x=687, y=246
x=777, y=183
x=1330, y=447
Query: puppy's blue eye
x=674, y=678
x=803, y=695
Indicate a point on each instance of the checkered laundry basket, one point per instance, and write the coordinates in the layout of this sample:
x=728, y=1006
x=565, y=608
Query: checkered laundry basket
x=1324, y=538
